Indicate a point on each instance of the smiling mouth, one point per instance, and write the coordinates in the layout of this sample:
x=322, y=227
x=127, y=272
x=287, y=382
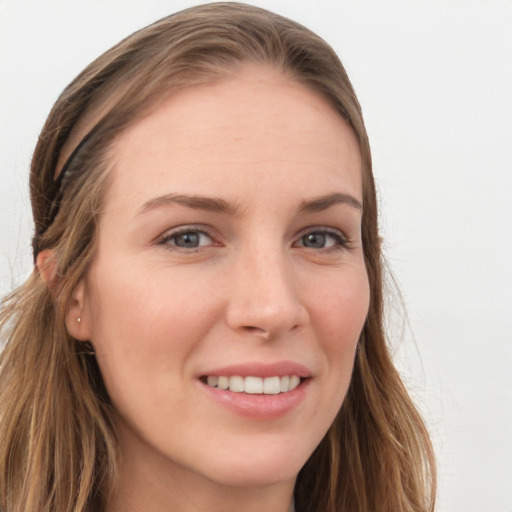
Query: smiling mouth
x=254, y=385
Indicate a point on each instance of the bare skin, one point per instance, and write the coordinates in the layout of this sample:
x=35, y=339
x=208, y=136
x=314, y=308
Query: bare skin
x=230, y=238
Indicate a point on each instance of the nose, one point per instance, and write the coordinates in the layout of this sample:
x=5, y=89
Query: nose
x=264, y=299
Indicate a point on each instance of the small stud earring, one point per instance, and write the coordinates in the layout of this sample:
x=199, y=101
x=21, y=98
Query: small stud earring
x=78, y=319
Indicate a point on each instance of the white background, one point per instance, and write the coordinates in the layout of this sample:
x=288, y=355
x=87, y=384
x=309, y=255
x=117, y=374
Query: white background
x=435, y=83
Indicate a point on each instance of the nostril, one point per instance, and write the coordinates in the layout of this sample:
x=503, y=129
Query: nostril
x=257, y=330
x=253, y=328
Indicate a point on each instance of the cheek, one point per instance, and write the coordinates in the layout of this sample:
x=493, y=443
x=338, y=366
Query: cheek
x=337, y=311
x=341, y=307
x=339, y=315
x=130, y=298
x=145, y=324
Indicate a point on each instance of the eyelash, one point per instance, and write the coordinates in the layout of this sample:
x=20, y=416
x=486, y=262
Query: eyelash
x=340, y=241
x=168, y=237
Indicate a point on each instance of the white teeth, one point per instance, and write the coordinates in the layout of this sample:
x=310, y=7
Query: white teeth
x=236, y=384
x=223, y=383
x=255, y=385
x=212, y=381
x=272, y=385
x=294, y=382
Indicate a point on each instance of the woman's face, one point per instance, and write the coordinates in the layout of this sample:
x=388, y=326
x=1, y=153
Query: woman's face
x=229, y=255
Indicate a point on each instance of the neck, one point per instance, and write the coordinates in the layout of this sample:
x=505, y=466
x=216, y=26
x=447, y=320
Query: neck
x=135, y=494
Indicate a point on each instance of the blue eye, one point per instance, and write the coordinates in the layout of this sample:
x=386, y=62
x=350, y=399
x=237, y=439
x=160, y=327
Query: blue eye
x=187, y=239
x=321, y=239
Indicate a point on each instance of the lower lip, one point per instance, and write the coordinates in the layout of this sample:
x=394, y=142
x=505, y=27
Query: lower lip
x=264, y=407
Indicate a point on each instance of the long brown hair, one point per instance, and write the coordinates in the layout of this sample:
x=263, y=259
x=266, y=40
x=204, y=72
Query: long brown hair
x=58, y=445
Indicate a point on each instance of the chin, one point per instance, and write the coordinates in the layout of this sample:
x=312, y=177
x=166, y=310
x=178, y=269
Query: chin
x=264, y=465
x=255, y=476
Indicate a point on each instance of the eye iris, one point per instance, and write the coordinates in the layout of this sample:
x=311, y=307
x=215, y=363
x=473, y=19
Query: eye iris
x=314, y=240
x=187, y=240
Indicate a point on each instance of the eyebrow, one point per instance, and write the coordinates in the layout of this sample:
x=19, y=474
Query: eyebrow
x=323, y=202
x=215, y=204
x=211, y=204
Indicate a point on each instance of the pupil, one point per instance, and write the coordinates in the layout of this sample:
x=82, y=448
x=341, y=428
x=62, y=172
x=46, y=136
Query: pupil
x=188, y=240
x=315, y=240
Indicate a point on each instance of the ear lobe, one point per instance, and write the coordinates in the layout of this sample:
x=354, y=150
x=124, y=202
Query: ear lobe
x=77, y=318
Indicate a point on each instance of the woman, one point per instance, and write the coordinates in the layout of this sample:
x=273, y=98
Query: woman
x=203, y=327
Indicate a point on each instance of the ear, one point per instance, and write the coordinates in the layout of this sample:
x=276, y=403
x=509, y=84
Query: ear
x=46, y=265
x=78, y=320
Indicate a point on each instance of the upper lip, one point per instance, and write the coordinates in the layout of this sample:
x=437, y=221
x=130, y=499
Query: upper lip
x=259, y=369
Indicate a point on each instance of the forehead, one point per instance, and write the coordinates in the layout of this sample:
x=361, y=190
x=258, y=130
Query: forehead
x=254, y=127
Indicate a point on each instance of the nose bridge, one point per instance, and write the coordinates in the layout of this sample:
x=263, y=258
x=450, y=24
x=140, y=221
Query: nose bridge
x=265, y=298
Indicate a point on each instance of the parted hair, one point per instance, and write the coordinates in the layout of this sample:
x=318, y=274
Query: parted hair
x=58, y=445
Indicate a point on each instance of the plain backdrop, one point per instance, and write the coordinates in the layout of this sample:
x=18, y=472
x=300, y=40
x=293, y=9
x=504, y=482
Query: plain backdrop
x=435, y=83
